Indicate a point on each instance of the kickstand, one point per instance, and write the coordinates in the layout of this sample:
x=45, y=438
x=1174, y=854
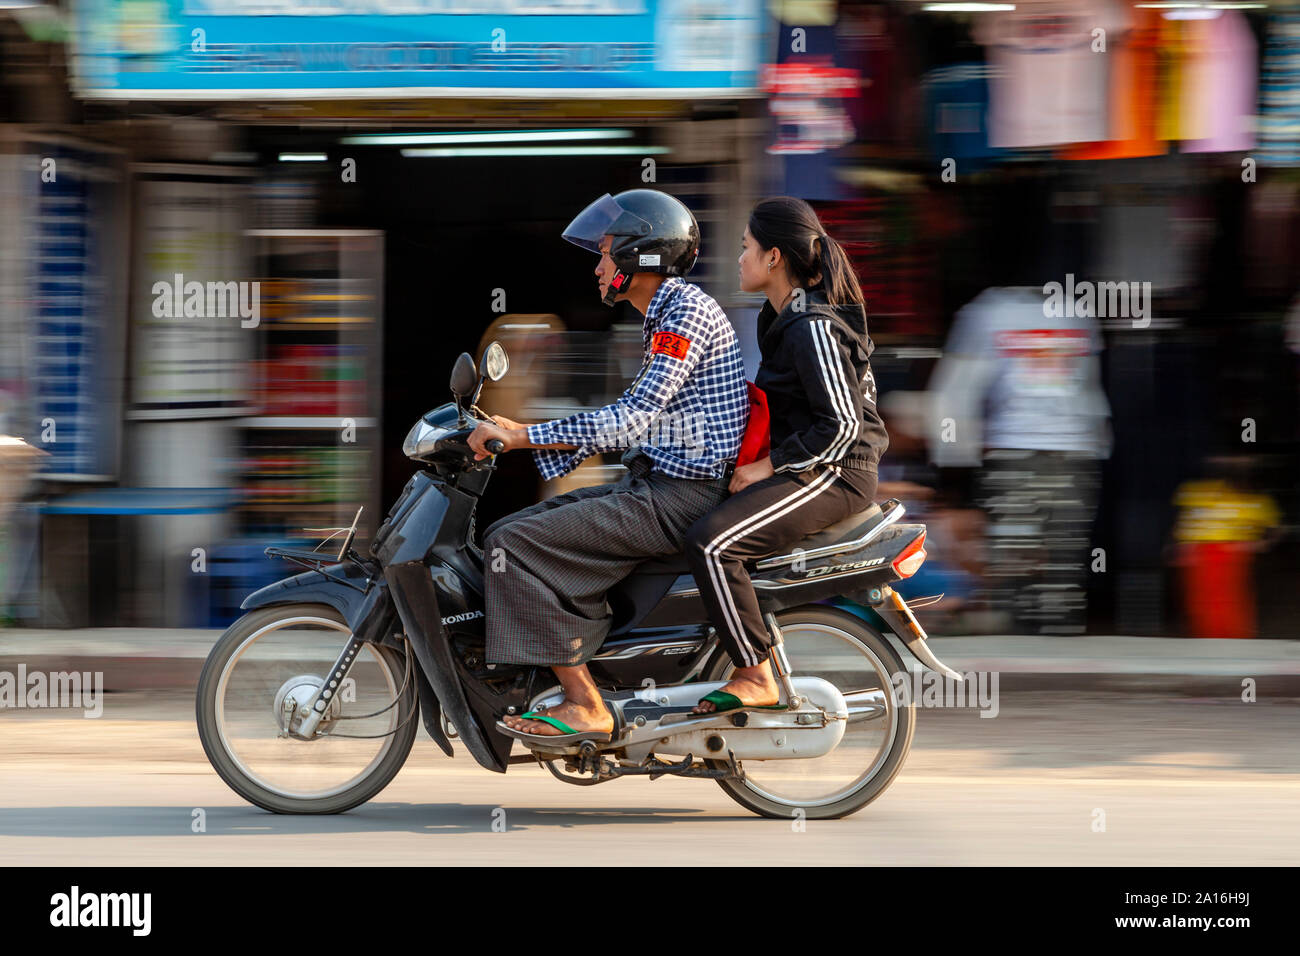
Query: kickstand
x=734, y=766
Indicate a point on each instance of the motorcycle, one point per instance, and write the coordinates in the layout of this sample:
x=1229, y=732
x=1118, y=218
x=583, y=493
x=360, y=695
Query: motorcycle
x=382, y=640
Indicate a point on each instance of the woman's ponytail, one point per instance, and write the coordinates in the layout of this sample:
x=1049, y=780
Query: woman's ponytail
x=838, y=278
x=792, y=226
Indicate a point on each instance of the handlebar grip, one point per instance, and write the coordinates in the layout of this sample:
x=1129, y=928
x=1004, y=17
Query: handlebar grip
x=496, y=446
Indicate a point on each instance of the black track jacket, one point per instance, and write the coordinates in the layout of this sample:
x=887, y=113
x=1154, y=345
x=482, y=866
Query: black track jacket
x=816, y=371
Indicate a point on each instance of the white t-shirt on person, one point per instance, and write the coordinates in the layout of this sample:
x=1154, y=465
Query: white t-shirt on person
x=1012, y=378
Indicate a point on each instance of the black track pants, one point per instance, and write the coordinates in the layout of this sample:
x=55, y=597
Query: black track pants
x=768, y=517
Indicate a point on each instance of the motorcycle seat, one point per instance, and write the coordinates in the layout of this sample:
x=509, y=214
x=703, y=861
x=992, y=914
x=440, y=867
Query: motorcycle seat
x=847, y=529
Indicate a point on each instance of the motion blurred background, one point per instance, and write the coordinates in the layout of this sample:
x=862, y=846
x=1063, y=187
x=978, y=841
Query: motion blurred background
x=395, y=175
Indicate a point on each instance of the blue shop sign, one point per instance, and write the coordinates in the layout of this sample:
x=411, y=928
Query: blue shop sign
x=239, y=49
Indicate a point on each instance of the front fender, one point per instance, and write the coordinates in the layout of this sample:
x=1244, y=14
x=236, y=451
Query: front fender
x=370, y=616
x=369, y=613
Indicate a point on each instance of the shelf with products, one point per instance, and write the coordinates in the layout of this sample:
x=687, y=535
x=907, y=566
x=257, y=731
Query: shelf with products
x=308, y=455
x=289, y=483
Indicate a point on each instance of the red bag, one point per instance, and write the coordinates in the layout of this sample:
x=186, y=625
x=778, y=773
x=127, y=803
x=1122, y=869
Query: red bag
x=757, y=441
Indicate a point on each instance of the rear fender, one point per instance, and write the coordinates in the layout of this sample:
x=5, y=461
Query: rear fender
x=894, y=611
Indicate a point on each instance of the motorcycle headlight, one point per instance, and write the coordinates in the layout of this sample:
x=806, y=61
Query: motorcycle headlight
x=408, y=443
x=421, y=439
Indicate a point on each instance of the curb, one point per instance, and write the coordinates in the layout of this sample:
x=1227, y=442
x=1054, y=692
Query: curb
x=120, y=673
x=1180, y=685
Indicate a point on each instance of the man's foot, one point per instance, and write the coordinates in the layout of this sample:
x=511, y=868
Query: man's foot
x=581, y=719
x=753, y=686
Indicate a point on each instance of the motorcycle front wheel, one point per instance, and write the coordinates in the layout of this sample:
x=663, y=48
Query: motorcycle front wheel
x=846, y=651
x=254, y=690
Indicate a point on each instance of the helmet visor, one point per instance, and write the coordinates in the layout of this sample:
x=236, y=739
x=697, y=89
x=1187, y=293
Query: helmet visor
x=604, y=217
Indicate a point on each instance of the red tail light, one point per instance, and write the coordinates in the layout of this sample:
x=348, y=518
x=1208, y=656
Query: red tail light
x=911, y=558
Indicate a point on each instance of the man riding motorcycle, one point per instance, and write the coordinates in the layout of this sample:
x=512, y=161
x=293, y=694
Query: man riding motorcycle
x=550, y=566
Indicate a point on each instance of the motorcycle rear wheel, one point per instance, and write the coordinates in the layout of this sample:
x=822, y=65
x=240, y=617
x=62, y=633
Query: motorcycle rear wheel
x=841, y=648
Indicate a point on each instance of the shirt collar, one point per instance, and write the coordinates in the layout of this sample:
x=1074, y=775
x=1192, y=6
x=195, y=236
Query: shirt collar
x=667, y=289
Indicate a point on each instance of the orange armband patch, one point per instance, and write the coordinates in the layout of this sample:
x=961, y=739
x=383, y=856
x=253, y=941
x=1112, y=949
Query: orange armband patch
x=669, y=343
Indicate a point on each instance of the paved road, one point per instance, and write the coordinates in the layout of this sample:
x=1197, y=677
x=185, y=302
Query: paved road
x=1180, y=781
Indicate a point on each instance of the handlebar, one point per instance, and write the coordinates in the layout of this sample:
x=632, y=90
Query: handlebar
x=496, y=446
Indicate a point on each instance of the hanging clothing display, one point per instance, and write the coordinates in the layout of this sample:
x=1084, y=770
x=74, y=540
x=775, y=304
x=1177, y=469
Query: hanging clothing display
x=1049, y=86
x=1177, y=54
x=1134, y=69
x=1279, y=106
x=956, y=106
x=1208, y=80
x=1223, y=83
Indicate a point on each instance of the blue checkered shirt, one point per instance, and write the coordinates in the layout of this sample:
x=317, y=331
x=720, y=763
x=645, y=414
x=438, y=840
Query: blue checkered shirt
x=687, y=413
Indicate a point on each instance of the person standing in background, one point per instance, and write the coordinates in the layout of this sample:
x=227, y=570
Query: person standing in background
x=1222, y=523
x=1020, y=395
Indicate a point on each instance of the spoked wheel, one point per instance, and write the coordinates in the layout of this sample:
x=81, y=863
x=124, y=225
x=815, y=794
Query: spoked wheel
x=254, y=693
x=849, y=653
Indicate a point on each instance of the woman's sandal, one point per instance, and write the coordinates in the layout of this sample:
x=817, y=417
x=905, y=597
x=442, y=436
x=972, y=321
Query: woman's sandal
x=723, y=702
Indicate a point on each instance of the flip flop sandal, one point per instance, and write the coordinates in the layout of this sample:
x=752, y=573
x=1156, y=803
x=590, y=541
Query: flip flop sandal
x=723, y=702
x=567, y=736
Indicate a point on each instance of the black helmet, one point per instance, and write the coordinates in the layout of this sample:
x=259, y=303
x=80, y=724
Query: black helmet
x=652, y=232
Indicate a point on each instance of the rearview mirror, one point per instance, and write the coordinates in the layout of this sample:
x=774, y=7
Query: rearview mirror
x=495, y=362
x=463, y=375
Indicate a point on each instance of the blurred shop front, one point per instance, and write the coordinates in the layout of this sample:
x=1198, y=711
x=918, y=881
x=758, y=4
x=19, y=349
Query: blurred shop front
x=396, y=181
x=316, y=212
x=970, y=155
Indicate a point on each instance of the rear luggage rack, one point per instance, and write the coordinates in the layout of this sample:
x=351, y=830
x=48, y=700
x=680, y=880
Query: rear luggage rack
x=317, y=561
x=310, y=559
